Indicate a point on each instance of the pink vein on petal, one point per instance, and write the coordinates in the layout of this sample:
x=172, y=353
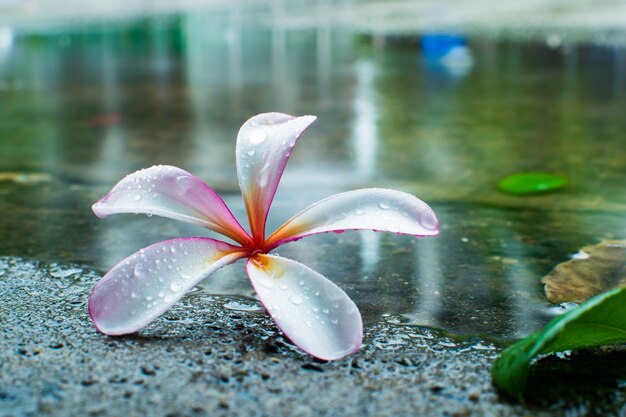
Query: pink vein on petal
x=264, y=144
x=377, y=209
x=171, y=192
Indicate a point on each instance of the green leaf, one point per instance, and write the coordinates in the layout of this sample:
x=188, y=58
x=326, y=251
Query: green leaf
x=601, y=320
x=531, y=183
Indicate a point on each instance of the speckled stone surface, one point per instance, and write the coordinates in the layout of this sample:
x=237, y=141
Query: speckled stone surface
x=201, y=358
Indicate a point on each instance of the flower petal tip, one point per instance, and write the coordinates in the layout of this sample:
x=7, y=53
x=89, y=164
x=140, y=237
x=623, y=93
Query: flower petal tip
x=98, y=208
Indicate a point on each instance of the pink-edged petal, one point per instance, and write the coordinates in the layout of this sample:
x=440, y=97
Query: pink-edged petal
x=169, y=191
x=377, y=209
x=314, y=313
x=147, y=283
x=264, y=144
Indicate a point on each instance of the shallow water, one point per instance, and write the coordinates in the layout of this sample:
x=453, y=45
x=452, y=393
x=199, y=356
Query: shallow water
x=84, y=106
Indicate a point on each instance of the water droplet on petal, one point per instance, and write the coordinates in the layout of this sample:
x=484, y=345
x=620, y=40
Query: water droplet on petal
x=175, y=286
x=258, y=136
x=264, y=175
x=296, y=299
x=384, y=205
x=137, y=197
x=183, y=183
x=139, y=271
x=428, y=220
x=266, y=282
x=359, y=212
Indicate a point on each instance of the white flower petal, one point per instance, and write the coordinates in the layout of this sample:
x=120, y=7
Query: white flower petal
x=174, y=193
x=314, y=313
x=264, y=144
x=376, y=209
x=147, y=283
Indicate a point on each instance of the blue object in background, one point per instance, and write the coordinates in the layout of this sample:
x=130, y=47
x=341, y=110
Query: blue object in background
x=436, y=46
x=447, y=52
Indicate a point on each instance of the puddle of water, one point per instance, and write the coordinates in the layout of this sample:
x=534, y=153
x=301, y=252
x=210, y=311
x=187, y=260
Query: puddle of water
x=83, y=108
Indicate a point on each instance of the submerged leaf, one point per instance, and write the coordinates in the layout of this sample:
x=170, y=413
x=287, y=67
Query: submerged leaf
x=599, y=321
x=26, y=178
x=531, y=183
x=594, y=269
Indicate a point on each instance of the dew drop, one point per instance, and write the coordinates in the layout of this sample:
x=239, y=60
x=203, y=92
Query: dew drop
x=359, y=212
x=137, y=197
x=296, y=299
x=175, y=286
x=258, y=136
x=133, y=295
x=149, y=298
x=264, y=176
x=139, y=271
x=251, y=153
x=384, y=205
x=183, y=184
x=266, y=283
x=428, y=220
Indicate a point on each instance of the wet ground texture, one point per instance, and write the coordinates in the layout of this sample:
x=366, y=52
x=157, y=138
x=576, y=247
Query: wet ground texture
x=201, y=358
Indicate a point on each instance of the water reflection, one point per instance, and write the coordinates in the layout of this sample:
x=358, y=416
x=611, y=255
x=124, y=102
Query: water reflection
x=90, y=105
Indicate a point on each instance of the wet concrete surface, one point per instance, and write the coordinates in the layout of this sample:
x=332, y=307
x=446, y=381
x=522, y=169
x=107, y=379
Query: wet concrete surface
x=202, y=359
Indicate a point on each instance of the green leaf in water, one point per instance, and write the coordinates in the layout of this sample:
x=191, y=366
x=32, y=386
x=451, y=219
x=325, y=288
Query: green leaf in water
x=531, y=183
x=601, y=320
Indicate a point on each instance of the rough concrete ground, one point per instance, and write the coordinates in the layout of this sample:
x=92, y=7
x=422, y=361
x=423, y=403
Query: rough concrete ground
x=201, y=358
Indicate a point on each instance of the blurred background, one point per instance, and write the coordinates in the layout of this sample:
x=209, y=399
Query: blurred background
x=439, y=99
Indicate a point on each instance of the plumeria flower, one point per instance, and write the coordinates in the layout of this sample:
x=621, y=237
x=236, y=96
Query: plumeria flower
x=310, y=310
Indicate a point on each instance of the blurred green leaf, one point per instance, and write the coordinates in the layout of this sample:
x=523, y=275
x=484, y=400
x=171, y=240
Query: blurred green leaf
x=599, y=321
x=531, y=183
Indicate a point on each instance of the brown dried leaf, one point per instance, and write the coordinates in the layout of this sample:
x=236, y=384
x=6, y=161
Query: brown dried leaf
x=594, y=269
